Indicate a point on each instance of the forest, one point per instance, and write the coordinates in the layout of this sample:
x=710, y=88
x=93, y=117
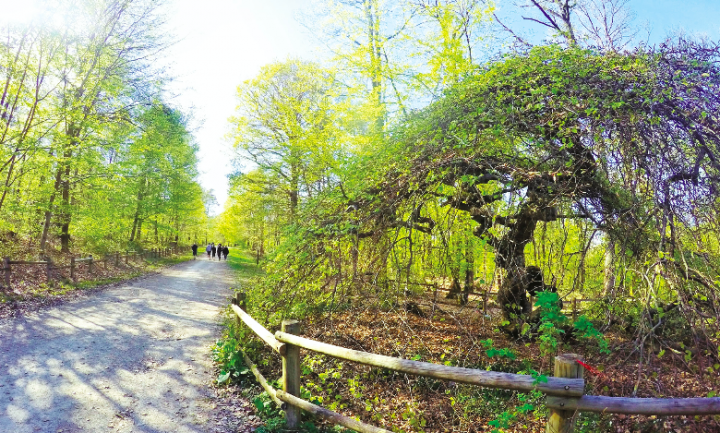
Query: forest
x=94, y=157
x=387, y=189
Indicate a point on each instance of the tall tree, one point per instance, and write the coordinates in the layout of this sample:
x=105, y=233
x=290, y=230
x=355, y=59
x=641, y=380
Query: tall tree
x=99, y=75
x=287, y=125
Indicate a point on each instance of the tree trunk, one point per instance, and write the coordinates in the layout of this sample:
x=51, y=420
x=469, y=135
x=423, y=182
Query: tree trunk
x=294, y=186
x=510, y=256
x=375, y=59
x=49, y=212
x=134, y=227
x=136, y=219
x=469, y=270
x=65, y=214
x=609, y=274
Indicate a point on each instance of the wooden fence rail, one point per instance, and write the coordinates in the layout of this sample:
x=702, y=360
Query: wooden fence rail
x=484, y=296
x=565, y=391
x=490, y=379
x=7, y=263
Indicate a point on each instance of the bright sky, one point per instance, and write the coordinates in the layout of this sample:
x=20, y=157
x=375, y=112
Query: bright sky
x=225, y=42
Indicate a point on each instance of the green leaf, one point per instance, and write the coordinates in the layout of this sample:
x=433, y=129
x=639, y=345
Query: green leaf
x=223, y=377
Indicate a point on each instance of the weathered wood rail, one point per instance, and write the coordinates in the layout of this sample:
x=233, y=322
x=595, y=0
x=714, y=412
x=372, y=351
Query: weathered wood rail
x=50, y=266
x=572, y=306
x=565, y=391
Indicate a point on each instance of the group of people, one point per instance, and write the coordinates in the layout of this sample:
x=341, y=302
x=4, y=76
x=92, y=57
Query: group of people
x=221, y=251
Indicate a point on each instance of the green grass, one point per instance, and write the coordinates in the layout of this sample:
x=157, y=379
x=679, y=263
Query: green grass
x=243, y=264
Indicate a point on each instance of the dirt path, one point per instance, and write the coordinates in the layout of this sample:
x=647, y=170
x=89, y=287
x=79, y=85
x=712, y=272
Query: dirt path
x=129, y=359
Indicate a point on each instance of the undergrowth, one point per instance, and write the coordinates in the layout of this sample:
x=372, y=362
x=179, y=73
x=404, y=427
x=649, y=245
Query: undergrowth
x=359, y=390
x=31, y=290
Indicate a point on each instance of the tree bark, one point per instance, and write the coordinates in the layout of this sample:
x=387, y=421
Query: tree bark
x=510, y=256
x=136, y=219
x=48, y=211
x=609, y=274
x=65, y=214
x=469, y=270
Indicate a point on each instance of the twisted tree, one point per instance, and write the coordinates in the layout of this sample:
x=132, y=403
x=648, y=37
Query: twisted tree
x=630, y=142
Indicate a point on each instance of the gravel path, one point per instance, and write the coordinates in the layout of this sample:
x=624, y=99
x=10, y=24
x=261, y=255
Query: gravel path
x=133, y=358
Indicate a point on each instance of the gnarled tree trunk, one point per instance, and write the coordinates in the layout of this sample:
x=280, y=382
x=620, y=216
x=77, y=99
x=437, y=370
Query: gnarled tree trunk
x=510, y=256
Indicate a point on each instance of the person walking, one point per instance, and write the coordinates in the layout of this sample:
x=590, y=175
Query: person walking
x=194, y=250
x=212, y=250
x=207, y=249
x=226, y=251
x=219, y=251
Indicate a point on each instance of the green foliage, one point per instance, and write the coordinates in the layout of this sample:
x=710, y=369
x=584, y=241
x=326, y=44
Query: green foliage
x=550, y=310
x=491, y=352
x=551, y=321
x=228, y=356
x=92, y=158
x=504, y=421
x=586, y=329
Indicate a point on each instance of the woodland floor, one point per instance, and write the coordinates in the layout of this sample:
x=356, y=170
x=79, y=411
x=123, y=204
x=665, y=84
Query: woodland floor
x=134, y=357
x=451, y=334
x=30, y=289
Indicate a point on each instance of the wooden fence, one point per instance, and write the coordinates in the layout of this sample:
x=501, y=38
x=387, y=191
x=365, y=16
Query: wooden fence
x=572, y=306
x=50, y=266
x=565, y=391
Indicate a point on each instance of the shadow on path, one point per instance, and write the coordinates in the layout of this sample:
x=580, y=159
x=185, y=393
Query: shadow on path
x=129, y=359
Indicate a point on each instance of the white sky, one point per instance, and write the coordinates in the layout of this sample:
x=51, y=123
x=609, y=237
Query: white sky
x=223, y=43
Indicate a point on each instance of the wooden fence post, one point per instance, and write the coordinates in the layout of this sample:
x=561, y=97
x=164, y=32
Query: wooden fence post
x=72, y=268
x=563, y=421
x=239, y=300
x=575, y=310
x=485, y=300
x=90, y=264
x=6, y=268
x=291, y=374
x=48, y=269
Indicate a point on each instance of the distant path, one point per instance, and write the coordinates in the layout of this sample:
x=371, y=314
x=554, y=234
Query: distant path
x=129, y=359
